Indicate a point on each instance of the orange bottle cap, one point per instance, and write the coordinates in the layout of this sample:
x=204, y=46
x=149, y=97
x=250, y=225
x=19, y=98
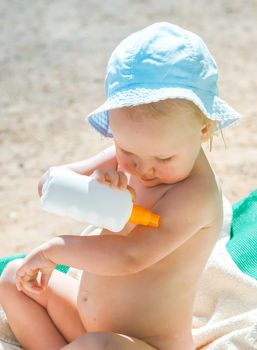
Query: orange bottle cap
x=142, y=216
x=154, y=220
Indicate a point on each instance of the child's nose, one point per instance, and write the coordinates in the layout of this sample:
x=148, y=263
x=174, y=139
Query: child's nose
x=143, y=169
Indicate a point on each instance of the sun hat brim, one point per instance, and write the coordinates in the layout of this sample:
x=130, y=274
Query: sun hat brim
x=215, y=108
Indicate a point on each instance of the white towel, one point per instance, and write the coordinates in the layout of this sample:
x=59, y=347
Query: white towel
x=225, y=311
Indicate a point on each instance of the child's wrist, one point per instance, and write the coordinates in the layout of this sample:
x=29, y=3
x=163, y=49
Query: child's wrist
x=54, y=249
x=45, y=255
x=47, y=250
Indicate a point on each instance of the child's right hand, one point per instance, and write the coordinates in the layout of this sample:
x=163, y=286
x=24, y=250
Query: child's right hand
x=114, y=178
x=34, y=273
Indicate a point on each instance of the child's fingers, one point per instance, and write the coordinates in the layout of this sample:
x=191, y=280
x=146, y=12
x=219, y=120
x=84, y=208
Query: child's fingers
x=123, y=180
x=45, y=277
x=23, y=285
x=98, y=175
x=18, y=285
x=25, y=274
x=114, y=178
x=132, y=192
x=33, y=285
x=27, y=278
x=111, y=177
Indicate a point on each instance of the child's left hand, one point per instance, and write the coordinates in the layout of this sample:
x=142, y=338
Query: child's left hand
x=114, y=178
x=35, y=272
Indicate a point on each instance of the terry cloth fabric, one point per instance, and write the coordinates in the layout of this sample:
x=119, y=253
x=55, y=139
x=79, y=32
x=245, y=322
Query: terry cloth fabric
x=242, y=245
x=225, y=311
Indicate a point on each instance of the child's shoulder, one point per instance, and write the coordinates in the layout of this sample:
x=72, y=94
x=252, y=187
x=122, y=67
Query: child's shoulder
x=186, y=209
x=196, y=200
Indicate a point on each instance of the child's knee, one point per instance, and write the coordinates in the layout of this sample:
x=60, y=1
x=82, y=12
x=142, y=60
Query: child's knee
x=94, y=340
x=7, y=279
x=98, y=340
x=106, y=341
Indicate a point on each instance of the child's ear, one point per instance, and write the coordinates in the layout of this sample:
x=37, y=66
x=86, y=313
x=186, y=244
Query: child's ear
x=206, y=132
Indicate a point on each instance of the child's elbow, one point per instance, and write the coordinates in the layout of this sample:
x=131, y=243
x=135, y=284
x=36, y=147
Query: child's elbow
x=133, y=263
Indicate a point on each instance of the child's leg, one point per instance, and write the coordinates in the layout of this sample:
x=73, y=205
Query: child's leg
x=115, y=341
x=42, y=321
x=109, y=341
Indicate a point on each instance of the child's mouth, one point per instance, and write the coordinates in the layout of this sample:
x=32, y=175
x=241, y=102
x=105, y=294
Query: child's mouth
x=146, y=179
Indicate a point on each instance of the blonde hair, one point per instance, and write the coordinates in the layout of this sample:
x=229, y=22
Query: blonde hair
x=184, y=107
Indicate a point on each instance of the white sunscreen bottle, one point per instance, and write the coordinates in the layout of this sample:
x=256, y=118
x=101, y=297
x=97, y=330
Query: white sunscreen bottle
x=85, y=199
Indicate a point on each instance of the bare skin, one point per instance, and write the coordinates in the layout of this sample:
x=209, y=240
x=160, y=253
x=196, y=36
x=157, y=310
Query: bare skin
x=138, y=287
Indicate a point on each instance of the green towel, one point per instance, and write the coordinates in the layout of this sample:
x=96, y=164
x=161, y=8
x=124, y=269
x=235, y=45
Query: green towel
x=242, y=245
x=4, y=261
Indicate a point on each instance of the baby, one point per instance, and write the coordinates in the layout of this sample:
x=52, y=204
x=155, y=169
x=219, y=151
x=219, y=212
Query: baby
x=138, y=287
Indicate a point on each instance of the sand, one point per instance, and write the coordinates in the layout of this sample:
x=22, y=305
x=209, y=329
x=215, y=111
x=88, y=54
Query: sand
x=53, y=56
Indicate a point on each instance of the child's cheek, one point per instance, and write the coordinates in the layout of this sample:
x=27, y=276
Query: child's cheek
x=128, y=167
x=125, y=164
x=166, y=174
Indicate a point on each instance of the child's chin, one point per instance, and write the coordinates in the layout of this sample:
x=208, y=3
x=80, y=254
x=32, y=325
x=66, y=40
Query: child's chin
x=156, y=182
x=151, y=182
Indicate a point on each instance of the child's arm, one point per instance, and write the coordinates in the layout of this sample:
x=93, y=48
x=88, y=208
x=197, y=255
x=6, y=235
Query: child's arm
x=184, y=211
x=96, y=254
x=105, y=159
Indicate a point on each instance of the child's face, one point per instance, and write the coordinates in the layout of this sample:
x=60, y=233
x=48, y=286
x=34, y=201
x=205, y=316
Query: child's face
x=156, y=150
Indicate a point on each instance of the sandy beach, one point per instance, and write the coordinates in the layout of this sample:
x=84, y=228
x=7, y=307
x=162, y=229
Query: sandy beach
x=53, y=56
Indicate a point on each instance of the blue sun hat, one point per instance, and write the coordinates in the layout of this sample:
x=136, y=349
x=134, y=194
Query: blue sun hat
x=159, y=62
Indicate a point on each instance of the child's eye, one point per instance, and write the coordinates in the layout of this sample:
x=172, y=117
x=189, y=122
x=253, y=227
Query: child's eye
x=164, y=160
x=125, y=152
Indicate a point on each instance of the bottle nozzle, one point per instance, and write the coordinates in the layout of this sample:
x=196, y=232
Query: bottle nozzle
x=154, y=220
x=142, y=216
